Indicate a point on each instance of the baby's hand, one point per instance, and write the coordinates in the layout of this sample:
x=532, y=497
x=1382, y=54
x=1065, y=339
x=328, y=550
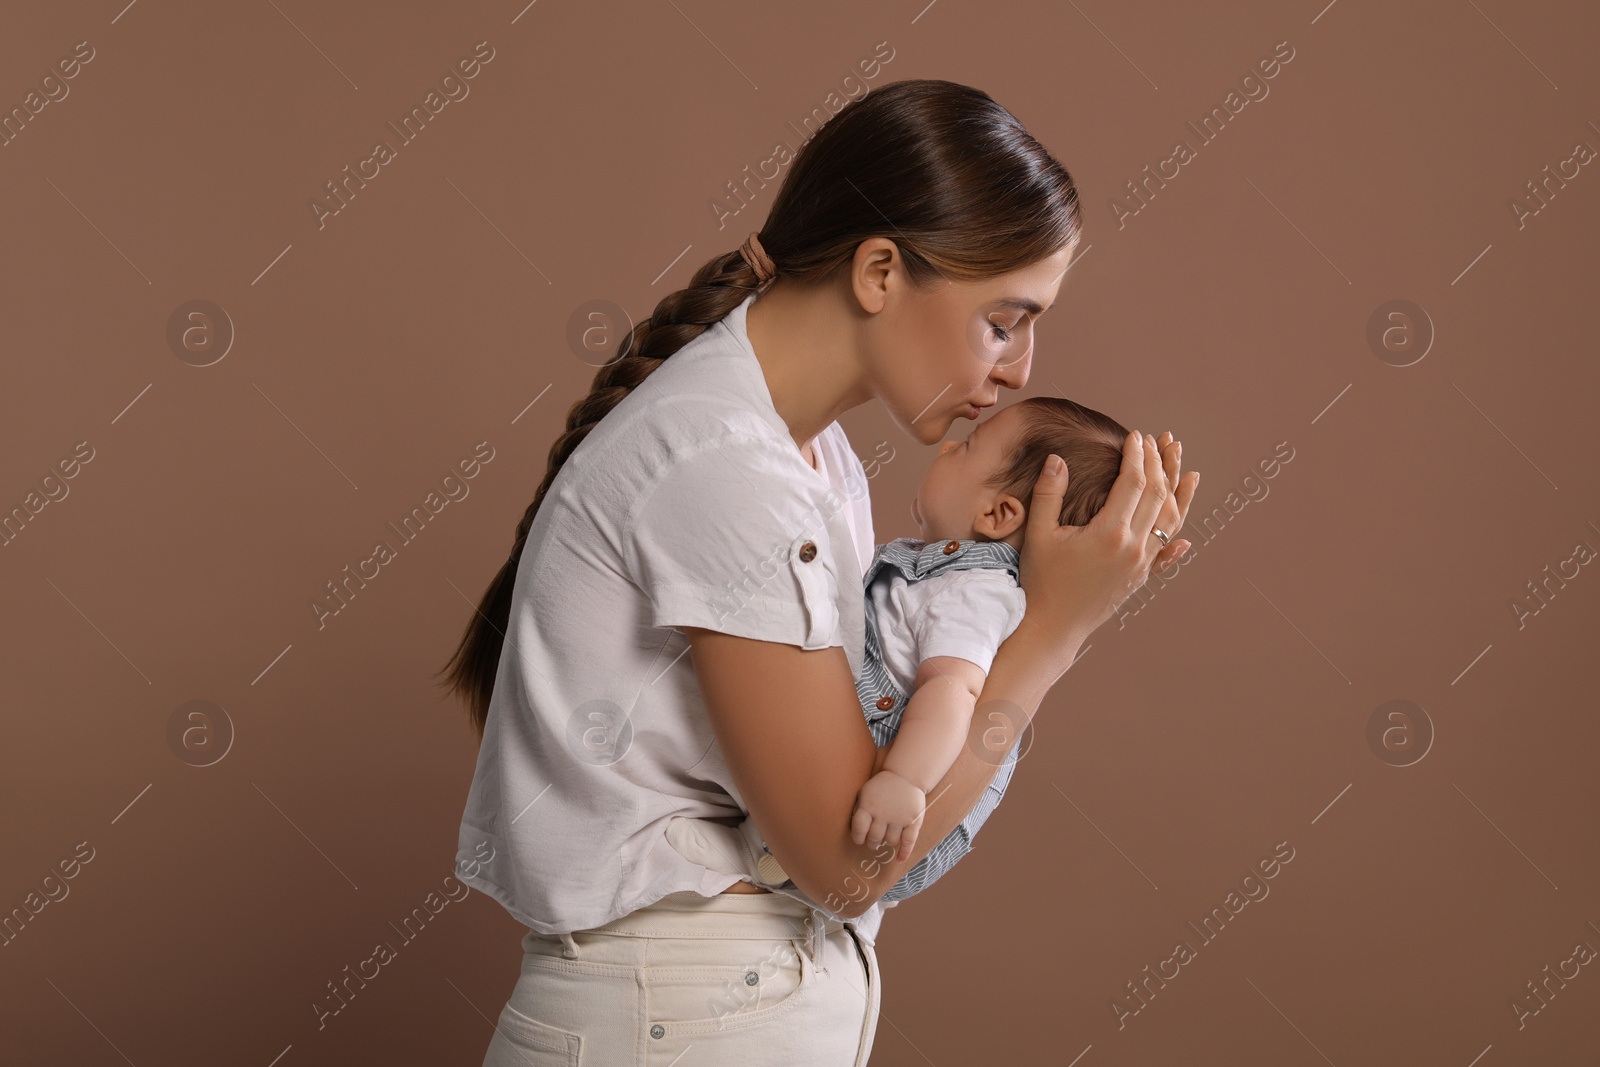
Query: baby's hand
x=888, y=809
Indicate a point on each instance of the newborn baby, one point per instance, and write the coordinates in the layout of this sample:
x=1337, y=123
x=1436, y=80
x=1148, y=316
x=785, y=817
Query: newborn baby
x=939, y=607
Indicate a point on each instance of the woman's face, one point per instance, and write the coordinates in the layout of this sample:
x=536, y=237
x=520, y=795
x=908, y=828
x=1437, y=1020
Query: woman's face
x=932, y=355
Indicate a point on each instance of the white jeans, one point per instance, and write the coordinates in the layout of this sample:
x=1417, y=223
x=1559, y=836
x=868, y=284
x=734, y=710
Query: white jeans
x=719, y=980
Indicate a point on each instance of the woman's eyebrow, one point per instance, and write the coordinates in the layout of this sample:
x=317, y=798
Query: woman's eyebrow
x=1024, y=305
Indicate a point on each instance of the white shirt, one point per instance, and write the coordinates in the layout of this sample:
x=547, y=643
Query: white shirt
x=966, y=613
x=689, y=504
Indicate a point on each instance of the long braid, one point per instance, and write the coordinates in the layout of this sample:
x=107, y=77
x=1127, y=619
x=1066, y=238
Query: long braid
x=719, y=286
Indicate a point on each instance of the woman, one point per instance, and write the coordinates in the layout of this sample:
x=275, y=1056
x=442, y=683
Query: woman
x=679, y=644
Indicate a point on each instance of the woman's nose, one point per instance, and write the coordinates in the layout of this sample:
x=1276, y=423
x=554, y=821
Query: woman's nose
x=1013, y=372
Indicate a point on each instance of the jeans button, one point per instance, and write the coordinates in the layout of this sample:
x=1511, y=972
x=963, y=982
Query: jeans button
x=751, y=978
x=657, y=1030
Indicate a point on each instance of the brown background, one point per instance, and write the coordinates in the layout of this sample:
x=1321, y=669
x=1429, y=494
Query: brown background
x=370, y=355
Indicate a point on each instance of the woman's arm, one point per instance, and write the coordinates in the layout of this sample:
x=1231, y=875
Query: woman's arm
x=790, y=726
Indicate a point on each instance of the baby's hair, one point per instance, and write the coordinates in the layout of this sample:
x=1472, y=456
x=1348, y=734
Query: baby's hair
x=1089, y=441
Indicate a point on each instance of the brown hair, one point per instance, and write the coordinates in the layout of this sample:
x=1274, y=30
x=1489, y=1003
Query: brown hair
x=1089, y=442
x=941, y=169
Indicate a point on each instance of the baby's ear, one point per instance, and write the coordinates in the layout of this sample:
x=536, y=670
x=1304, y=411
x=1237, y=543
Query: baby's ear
x=1005, y=517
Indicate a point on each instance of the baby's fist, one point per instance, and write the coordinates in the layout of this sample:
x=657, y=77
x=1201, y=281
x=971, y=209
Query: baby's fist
x=888, y=810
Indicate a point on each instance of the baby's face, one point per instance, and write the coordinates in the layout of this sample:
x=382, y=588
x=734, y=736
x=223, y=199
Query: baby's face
x=953, y=496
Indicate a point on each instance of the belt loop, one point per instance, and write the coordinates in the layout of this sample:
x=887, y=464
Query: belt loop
x=818, y=941
x=569, y=947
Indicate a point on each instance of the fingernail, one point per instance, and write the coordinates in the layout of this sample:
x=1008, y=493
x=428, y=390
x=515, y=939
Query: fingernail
x=1053, y=465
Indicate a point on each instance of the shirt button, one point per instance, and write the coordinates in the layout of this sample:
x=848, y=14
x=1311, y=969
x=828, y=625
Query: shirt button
x=952, y=546
x=658, y=1030
x=885, y=702
x=808, y=552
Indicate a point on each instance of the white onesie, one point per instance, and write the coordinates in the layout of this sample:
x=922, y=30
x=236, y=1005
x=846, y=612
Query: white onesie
x=966, y=613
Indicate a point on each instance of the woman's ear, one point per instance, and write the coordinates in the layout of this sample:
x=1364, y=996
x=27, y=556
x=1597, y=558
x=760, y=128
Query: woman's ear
x=875, y=260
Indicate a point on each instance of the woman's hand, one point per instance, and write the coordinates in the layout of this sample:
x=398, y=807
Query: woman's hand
x=1076, y=577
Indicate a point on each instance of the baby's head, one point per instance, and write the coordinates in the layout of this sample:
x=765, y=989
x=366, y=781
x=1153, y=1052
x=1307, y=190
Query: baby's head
x=978, y=489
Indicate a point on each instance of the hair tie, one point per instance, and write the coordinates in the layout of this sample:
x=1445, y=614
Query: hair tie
x=757, y=257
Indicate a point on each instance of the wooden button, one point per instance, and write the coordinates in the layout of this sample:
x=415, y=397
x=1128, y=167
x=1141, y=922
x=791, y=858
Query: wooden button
x=808, y=552
x=885, y=703
x=952, y=546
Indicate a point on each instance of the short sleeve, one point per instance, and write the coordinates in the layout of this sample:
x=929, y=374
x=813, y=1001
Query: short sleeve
x=968, y=613
x=727, y=538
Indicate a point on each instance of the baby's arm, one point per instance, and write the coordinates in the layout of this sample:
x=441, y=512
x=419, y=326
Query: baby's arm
x=933, y=728
x=934, y=725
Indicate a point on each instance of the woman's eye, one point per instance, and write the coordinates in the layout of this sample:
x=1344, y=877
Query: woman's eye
x=1001, y=332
